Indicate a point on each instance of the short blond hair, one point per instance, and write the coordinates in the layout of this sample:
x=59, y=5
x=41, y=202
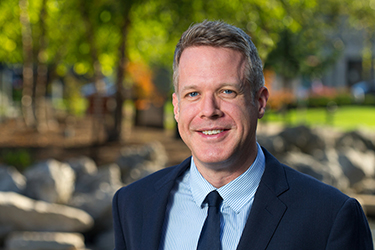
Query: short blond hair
x=220, y=34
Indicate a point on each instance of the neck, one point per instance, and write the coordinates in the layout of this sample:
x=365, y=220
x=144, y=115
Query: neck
x=220, y=174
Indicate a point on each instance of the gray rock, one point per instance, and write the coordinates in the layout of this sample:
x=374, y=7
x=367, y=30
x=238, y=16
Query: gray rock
x=83, y=167
x=303, y=139
x=11, y=180
x=357, y=140
x=88, y=183
x=138, y=162
x=365, y=186
x=324, y=171
x=102, y=186
x=50, y=181
x=44, y=241
x=274, y=144
x=25, y=214
x=357, y=165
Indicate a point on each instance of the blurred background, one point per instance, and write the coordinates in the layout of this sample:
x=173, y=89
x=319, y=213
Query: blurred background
x=85, y=103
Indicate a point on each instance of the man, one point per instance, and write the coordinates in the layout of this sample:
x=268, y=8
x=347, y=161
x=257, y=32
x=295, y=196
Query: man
x=258, y=202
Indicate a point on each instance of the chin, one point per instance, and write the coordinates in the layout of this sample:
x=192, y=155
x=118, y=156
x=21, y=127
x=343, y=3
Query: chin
x=211, y=158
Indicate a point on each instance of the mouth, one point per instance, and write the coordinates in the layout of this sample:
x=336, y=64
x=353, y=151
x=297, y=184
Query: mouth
x=212, y=132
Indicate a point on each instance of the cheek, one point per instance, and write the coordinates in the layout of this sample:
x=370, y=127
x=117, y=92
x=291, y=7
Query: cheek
x=185, y=114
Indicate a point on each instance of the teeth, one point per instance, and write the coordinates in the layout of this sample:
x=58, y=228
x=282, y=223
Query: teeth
x=212, y=132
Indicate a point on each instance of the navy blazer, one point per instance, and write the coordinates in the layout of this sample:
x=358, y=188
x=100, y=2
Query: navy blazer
x=290, y=211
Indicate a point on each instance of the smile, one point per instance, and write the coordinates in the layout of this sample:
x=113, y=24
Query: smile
x=212, y=132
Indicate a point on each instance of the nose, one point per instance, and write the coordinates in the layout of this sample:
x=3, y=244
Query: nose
x=210, y=107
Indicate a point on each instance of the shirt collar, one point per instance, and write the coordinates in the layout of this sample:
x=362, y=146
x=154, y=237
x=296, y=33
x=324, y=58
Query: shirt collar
x=236, y=193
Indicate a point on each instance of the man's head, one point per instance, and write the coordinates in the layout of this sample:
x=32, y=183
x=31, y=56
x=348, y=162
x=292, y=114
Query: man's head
x=219, y=97
x=222, y=35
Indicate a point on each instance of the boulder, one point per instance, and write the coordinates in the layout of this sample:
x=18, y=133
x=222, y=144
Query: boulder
x=11, y=180
x=44, y=241
x=138, y=162
x=100, y=190
x=303, y=139
x=357, y=165
x=365, y=186
x=274, y=144
x=83, y=167
x=356, y=140
x=24, y=214
x=50, y=181
x=90, y=182
x=326, y=172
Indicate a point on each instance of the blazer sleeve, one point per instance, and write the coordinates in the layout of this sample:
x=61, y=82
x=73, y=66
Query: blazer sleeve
x=120, y=243
x=350, y=229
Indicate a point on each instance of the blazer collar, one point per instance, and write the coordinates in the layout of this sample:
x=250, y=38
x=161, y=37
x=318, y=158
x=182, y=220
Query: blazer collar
x=267, y=209
x=155, y=205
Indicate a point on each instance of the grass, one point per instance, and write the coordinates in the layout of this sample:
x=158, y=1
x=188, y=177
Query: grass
x=345, y=117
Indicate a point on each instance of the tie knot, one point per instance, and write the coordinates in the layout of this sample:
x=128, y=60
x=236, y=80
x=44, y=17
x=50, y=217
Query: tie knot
x=214, y=199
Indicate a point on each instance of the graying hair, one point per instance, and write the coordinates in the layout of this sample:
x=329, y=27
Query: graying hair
x=222, y=35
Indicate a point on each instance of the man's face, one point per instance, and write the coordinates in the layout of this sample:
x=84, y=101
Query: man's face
x=216, y=115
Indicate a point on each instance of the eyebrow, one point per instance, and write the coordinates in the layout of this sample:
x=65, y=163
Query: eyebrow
x=189, y=87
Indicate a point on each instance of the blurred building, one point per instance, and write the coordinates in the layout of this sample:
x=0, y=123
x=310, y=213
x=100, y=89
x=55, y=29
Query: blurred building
x=356, y=62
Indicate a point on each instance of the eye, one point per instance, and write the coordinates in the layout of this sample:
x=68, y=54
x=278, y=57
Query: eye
x=228, y=91
x=192, y=94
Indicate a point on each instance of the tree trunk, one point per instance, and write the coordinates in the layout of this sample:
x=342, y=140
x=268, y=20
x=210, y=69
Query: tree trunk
x=98, y=111
x=41, y=80
x=121, y=71
x=28, y=74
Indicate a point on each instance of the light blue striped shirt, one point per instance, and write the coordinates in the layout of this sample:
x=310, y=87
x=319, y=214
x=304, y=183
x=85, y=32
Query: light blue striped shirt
x=186, y=212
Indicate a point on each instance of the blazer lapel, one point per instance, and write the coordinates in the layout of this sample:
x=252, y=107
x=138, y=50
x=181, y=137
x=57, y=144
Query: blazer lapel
x=267, y=209
x=155, y=207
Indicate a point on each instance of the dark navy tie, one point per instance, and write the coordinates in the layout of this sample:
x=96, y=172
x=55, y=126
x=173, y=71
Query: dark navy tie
x=210, y=234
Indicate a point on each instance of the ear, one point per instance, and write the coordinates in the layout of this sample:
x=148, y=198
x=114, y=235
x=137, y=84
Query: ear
x=262, y=98
x=176, y=109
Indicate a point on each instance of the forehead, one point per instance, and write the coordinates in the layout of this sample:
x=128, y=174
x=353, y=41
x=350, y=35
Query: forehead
x=206, y=61
x=202, y=54
x=205, y=64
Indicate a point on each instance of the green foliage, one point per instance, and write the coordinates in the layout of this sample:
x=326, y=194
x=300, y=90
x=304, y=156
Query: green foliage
x=74, y=103
x=369, y=100
x=344, y=117
x=307, y=45
x=291, y=36
x=10, y=32
x=322, y=101
x=19, y=158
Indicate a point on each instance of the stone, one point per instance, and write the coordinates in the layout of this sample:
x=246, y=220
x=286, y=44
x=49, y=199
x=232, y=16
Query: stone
x=324, y=171
x=303, y=139
x=357, y=165
x=138, y=162
x=25, y=214
x=44, y=241
x=357, y=140
x=90, y=182
x=83, y=166
x=365, y=186
x=11, y=180
x=274, y=144
x=50, y=181
x=102, y=187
